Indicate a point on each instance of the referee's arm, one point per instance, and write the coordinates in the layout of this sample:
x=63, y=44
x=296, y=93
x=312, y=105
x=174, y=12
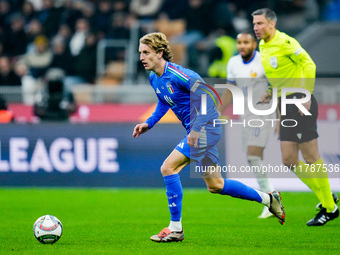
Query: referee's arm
x=309, y=70
x=302, y=58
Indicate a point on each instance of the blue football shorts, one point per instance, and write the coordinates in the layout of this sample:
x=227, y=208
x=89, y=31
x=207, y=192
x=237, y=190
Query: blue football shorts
x=207, y=152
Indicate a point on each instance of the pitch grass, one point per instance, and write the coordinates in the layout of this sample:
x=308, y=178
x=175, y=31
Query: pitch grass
x=120, y=221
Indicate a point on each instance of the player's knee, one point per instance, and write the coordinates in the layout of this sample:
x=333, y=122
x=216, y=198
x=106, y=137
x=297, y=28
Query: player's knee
x=310, y=159
x=215, y=187
x=166, y=169
x=289, y=161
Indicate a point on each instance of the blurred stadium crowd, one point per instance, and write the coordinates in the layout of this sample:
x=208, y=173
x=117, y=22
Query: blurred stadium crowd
x=36, y=35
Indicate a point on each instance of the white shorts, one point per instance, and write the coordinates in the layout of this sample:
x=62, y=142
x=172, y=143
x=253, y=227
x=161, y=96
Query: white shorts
x=258, y=136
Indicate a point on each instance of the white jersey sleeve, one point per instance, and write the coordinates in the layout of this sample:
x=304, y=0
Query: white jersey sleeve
x=231, y=70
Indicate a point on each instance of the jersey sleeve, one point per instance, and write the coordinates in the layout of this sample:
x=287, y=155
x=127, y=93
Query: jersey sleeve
x=197, y=88
x=160, y=111
x=230, y=74
x=299, y=56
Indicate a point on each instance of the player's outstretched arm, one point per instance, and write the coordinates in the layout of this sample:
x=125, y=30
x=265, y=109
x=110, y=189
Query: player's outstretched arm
x=140, y=129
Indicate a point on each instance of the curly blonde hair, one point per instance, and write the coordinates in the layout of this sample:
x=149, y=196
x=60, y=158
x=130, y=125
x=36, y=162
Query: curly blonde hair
x=158, y=43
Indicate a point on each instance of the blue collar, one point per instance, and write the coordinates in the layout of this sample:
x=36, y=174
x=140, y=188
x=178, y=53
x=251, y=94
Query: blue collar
x=247, y=62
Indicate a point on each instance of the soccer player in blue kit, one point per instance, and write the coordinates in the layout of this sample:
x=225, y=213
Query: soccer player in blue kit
x=179, y=89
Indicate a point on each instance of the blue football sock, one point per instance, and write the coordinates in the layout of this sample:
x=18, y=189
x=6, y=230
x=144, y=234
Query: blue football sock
x=238, y=189
x=174, y=192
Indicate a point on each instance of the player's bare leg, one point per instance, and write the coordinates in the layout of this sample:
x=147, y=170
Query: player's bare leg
x=290, y=153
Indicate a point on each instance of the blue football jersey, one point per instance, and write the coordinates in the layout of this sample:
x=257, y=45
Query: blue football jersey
x=181, y=90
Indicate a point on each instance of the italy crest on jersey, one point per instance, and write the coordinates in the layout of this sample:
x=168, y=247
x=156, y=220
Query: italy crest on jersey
x=273, y=62
x=170, y=88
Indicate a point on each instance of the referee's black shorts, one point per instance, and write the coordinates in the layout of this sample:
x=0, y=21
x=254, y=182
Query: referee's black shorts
x=306, y=128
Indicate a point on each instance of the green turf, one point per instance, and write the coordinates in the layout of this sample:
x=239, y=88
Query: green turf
x=114, y=221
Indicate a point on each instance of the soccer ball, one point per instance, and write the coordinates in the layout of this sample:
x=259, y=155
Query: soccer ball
x=47, y=229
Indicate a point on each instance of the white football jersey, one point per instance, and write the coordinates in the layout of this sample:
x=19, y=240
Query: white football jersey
x=249, y=74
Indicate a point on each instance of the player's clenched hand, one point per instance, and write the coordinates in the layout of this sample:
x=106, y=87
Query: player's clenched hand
x=193, y=138
x=265, y=98
x=140, y=129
